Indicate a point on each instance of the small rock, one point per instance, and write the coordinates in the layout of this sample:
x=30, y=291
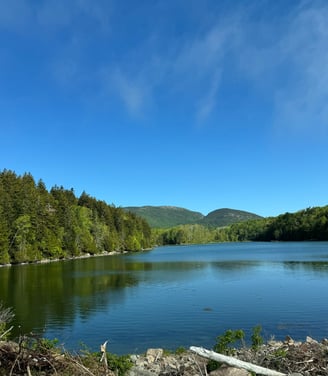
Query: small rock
x=229, y=371
x=136, y=371
x=134, y=358
x=275, y=344
x=153, y=355
x=310, y=340
x=289, y=340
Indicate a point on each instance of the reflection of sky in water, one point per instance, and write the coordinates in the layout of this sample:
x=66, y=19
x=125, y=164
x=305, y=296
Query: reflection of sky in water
x=176, y=296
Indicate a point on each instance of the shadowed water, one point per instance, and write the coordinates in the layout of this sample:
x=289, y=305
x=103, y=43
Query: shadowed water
x=173, y=296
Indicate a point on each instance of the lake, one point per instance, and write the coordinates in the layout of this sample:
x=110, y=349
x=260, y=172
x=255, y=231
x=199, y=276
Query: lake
x=173, y=296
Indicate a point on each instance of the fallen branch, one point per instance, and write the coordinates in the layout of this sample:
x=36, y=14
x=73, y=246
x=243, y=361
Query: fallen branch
x=235, y=362
x=6, y=332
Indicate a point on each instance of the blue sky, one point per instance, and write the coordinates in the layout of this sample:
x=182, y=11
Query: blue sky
x=201, y=104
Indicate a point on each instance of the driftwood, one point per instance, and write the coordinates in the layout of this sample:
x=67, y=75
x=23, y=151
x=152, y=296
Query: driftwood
x=235, y=362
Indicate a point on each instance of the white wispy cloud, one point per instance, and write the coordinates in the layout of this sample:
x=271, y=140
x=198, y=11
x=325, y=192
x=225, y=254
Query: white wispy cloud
x=199, y=64
x=209, y=101
x=284, y=57
x=190, y=68
x=132, y=92
x=291, y=68
x=302, y=103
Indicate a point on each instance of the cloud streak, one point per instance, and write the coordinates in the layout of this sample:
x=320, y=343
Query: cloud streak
x=291, y=70
x=303, y=103
x=282, y=57
x=189, y=70
x=132, y=93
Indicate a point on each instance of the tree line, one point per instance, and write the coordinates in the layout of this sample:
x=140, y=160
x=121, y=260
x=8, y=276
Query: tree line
x=36, y=223
x=307, y=224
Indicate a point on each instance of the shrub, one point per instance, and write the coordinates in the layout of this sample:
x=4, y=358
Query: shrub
x=256, y=337
x=6, y=315
x=224, y=341
x=224, y=344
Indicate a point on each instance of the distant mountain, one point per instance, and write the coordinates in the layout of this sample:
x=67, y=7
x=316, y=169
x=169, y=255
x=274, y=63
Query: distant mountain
x=165, y=216
x=225, y=217
x=170, y=216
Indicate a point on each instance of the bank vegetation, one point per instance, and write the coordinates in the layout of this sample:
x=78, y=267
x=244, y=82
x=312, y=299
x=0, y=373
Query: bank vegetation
x=37, y=224
x=308, y=224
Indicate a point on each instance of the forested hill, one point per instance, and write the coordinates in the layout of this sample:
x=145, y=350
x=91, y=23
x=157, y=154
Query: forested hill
x=225, y=217
x=171, y=216
x=307, y=224
x=166, y=216
x=36, y=223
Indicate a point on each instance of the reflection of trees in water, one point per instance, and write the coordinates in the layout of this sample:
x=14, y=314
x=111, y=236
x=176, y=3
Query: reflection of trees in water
x=320, y=267
x=230, y=266
x=235, y=266
x=166, y=265
x=60, y=290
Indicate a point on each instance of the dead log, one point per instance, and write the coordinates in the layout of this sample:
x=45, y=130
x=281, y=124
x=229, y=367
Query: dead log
x=229, y=360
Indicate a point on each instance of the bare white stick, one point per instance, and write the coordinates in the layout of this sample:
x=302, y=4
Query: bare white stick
x=104, y=356
x=235, y=362
x=6, y=332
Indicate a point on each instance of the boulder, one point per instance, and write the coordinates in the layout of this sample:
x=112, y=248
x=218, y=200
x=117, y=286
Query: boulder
x=229, y=371
x=153, y=355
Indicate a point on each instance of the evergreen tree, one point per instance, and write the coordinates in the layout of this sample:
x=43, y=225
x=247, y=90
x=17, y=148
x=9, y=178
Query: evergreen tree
x=4, y=239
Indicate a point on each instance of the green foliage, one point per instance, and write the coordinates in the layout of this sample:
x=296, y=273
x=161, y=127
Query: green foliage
x=49, y=343
x=37, y=224
x=180, y=350
x=224, y=345
x=225, y=341
x=6, y=316
x=280, y=353
x=184, y=234
x=256, y=337
x=170, y=216
x=307, y=224
x=166, y=216
x=4, y=239
x=119, y=364
x=226, y=217
x=40, y=344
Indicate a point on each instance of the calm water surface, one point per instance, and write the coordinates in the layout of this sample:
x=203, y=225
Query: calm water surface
x=173, y=296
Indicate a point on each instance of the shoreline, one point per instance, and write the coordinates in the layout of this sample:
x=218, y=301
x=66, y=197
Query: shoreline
x=84, y=256
x=308, y=357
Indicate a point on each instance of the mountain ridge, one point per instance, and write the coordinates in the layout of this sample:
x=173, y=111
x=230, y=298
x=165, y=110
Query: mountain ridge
x=166, y=216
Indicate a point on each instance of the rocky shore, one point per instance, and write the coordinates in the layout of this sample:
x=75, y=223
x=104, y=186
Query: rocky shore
x=83, y=256
x=288, y=357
